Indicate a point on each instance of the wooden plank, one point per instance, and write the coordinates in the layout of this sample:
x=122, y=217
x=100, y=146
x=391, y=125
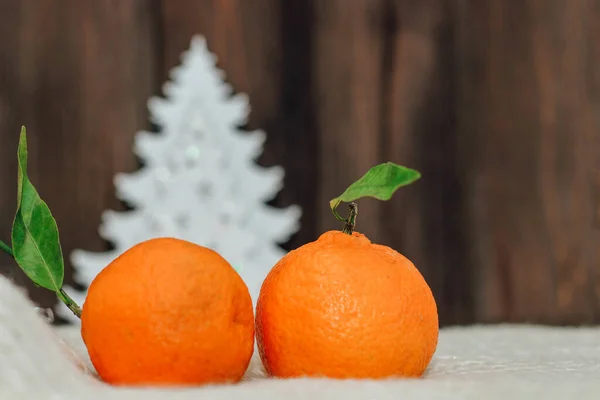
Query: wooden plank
x=424, y=220
x=264, y=48
x=79, y=76
x=9, y=129
x=528, y=120
x=347, y=72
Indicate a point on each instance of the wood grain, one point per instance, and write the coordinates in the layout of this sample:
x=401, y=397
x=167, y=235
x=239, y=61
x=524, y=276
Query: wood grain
x=420, y=131
x=529, y=117
x=347, y=72
x=265, y=48
x=80, y=107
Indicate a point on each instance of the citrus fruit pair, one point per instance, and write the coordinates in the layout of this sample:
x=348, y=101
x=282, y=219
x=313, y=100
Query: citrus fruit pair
x=172, y=312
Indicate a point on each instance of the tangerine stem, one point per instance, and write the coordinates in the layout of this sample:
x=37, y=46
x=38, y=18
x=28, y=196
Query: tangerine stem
x=6, y=248
x=351, y=220
x=62, y=295
x=69, y=302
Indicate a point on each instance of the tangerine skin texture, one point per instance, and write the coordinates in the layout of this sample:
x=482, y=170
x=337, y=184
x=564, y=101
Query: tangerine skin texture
x=168, y=312
x=342, y=307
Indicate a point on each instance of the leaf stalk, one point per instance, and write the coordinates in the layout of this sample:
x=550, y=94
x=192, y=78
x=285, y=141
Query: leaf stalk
x=62, y=295
x=6, y=248
x=69, y=302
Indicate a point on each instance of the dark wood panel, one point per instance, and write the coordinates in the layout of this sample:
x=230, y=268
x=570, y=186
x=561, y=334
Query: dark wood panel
x=347, y=66
x=10, y=121
x=78, y=74
x=528, y=112
x=264, y=47
x=425, y=221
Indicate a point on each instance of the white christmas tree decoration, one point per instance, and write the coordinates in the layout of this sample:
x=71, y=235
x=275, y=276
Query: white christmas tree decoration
x=200, y=181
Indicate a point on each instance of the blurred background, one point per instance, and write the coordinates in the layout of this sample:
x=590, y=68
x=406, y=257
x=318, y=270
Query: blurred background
x=497, y=103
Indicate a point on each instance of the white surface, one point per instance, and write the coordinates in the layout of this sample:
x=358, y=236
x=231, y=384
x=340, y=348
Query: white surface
x=200, y=181
x=494, y=362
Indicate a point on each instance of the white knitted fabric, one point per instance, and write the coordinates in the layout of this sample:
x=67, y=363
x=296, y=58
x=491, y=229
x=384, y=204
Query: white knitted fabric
x=488, y=362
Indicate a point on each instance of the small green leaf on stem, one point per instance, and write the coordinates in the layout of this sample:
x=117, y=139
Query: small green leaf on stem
x=379, y=182
x=35, y=239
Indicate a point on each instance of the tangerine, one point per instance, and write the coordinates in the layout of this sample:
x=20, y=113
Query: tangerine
x=343, y=307
x=168, y=312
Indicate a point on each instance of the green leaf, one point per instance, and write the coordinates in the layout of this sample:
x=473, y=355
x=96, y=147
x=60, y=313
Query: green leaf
x=379, y=182
x=35, y=240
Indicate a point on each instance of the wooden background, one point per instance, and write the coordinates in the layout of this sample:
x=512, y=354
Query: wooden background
x=496, y=102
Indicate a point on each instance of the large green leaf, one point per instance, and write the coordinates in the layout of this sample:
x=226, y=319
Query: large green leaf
x=35, y=239
x=379, y=182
